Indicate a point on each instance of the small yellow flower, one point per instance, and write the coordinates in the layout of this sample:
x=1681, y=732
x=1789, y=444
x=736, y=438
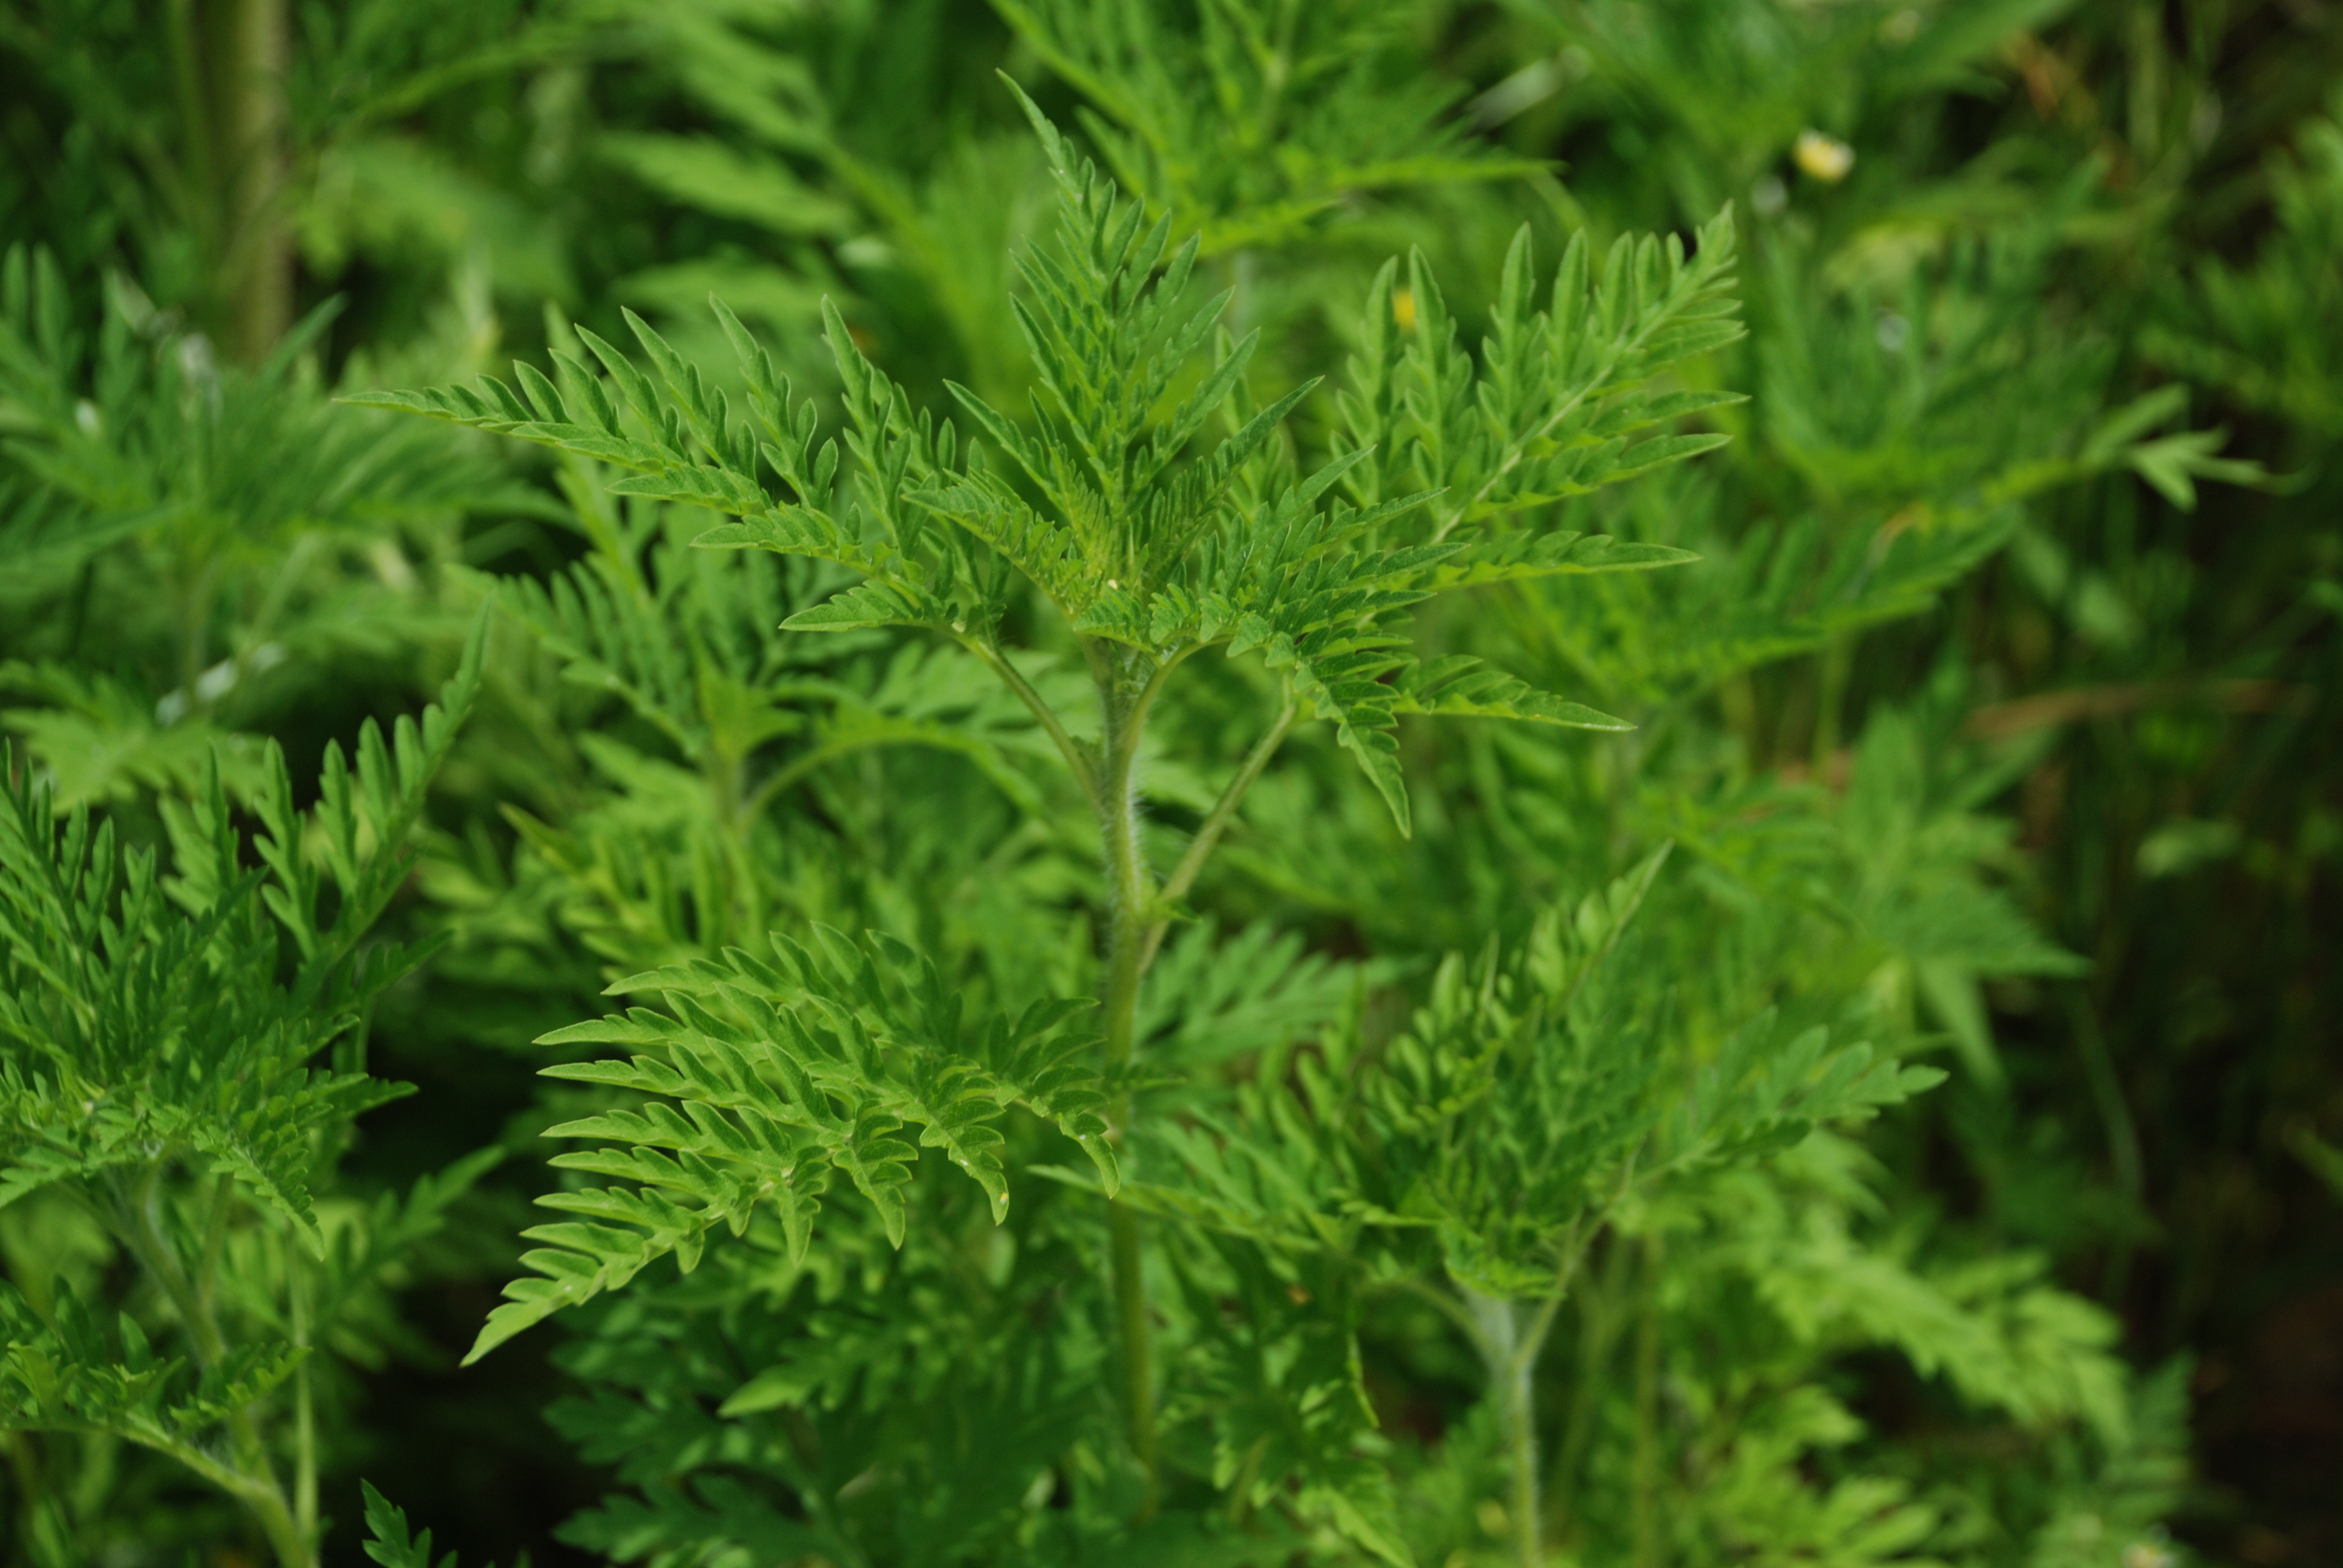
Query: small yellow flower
x=1404, y=308
x=1823, y=156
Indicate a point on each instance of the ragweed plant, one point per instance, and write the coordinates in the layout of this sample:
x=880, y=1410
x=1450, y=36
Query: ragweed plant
x=1998, y=658
x=776, y=1071
x=186, y=1057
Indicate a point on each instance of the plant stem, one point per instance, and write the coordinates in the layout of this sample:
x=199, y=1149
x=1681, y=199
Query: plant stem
x=139, y=1221
x=1509, y=1347
x=1131, y=903
x=195, y=616
x=1598, y=1327
x=2122, y=1131
x=141, y=1226
x=1836, y=665
x=1512, y=1357
x=1078, y=758
x=1647, y=1414
x=1128, y=687
x=1135, y=1333
x=256, y=51
x=196, y=192
x=304, y=1412
x=1208, y=836
x=24, y=1460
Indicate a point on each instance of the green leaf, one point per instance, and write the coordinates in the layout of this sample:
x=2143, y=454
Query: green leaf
x=1459, y=685
x=771, y=1074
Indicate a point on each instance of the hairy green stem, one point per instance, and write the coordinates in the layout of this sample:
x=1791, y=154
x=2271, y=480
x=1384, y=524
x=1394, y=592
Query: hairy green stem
x=258, y=1494
x=138, y=1220
x=1136, y=1335
x=1510, y=1348
x=1132, y=905
x=1128, y=685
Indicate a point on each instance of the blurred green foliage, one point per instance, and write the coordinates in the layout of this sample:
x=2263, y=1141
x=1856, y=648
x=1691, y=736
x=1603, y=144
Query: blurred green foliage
x=1993, y=726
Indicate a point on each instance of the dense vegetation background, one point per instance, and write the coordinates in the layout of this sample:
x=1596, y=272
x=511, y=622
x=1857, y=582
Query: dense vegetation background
x=2054, y=290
